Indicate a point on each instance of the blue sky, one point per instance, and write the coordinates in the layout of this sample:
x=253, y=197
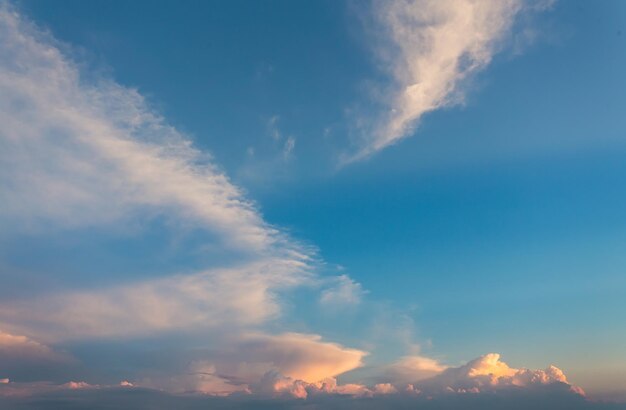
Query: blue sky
x=485, y=215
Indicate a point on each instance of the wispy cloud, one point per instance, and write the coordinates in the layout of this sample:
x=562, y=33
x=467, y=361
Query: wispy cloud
x=290, y=144
x=232, y=298
x=77, y=153
x=344, y=291
x=432, y=49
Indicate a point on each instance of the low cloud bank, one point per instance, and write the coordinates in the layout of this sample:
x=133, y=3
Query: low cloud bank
x=486, y=378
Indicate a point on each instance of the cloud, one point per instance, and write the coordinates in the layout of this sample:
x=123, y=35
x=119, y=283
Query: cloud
x=418, y=376
x=492, y=382
x=272, y=127
x=410, y=369
x=22, y=346
x=276, y=385
x=285, y=366
x=278, y=136
x=76, y=152
x=304, y=357
x=488, y=372
x=345, y=291
x=244, y=363
x=432, y=49
x=232, y=297
x=202, y=378
x=290, y=144
x=19, y=353
x=78, y=385
x=23, y=358
x=138, y=398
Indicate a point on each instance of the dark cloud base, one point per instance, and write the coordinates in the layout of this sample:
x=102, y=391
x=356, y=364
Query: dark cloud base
x=145, y=399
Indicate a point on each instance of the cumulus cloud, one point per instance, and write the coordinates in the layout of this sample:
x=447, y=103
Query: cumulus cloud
x=488, y=372
x=433, y=48
x=278, y=385
x=113, y=397
x=78, y=385
x=417, y=376
x=291, y=371
x=485, y=382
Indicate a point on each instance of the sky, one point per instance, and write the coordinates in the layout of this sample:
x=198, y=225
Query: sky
x=330, y=204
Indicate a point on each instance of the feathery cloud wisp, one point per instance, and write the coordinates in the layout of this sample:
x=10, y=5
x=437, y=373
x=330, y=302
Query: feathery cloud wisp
x=82, y=153
x=433, y=48
x=78, y=153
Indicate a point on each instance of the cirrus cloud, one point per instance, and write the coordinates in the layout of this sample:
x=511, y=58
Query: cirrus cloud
x=432, y=49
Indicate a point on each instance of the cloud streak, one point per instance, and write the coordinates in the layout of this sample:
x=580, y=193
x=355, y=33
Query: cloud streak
x=432, y=49
x=232, y=298
x=78, y=153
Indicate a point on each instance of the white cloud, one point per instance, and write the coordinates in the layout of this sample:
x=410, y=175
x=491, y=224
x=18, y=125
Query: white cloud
x=410, y=369
x=433, y=48
x=345, y=291
x=301, y=356
x=290, y=144
x=487, y=373
x=272, y=127
x=248, y=363
x=75, y=152
x=232, y=297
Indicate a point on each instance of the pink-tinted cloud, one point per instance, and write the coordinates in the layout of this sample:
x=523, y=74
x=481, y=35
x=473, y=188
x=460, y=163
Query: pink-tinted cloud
x=242, y=364
x=484, y=374
x=488, y=372
x=20, y=355
x=410, y=369
x=239, y=296
x=78, y=385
